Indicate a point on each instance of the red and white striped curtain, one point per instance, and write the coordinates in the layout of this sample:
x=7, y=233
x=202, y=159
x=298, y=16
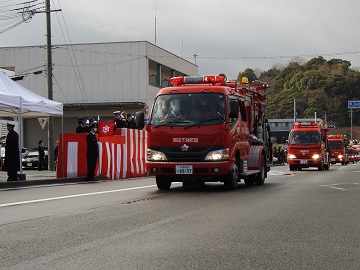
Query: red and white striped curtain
x=120, y=156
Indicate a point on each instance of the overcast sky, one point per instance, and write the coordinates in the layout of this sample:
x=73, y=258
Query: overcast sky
x=228, y=36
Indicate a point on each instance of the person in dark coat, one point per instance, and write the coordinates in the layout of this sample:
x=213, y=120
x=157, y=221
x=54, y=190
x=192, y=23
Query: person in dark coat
x=88, y=123
x=80, y=127
x=92, y=152
x=12, y=155
x=120, y=120
x=41, y=151
x=56, y=153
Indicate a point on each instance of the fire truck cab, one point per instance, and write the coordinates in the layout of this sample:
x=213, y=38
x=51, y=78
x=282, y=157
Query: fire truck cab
x=338, y=149
x=308, y=147
x=205, y=129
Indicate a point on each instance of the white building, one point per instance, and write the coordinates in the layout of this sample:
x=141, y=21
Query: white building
x=93, y=79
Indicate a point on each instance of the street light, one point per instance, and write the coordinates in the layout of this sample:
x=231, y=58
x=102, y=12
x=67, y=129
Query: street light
x=195, y=55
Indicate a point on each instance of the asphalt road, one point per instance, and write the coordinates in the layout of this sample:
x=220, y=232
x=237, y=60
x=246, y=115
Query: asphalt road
x=296, y=220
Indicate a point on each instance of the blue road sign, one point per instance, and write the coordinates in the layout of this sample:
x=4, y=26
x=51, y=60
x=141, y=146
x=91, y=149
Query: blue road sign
x=353, y=104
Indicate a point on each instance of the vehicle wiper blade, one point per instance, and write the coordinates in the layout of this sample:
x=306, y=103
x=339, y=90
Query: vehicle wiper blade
x=168, y=123
x=212, y=119
x=198, y=124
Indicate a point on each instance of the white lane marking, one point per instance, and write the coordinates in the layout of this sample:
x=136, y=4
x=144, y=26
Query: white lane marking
x=73, y=196
x=332, y=186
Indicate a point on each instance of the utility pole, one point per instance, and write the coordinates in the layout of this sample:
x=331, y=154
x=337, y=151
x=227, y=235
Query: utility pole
x=195, y=55
x=50, y=86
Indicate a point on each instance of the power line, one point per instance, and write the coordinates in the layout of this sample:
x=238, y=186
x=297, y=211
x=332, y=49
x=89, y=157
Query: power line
x=15, y=14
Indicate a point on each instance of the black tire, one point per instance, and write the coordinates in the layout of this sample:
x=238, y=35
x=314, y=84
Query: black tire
x=321, y=167
x=260, y=177
x=327, y=166
x=162, y=183
x=292, y=167
x=232, y=179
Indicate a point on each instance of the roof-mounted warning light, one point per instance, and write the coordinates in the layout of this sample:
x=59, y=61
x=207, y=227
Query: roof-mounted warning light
x=337, y=136
x=197, y=80
x=254, y=85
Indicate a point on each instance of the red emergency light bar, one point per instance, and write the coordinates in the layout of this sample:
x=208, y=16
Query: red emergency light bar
x=307, y=124
x=335, y=136
x=196, y=80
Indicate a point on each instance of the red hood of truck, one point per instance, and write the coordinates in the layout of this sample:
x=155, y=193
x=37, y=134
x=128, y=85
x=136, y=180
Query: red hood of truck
x=196, y=136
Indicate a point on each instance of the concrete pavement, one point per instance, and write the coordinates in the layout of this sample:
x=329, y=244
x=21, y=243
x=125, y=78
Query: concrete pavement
x=35, y=177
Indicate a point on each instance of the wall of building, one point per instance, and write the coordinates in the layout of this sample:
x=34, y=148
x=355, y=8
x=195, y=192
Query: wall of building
x=92, y=73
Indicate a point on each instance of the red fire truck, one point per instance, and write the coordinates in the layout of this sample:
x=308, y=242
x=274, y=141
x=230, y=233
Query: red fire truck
x=308, y=147
x=207, y=129
x=338, y=153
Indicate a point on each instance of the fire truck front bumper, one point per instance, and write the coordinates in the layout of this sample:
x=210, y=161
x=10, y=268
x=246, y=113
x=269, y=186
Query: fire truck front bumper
x=200, y=169
x=305, y=163
x=337, y=159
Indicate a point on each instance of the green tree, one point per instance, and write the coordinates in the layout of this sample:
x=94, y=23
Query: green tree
x=248, y=73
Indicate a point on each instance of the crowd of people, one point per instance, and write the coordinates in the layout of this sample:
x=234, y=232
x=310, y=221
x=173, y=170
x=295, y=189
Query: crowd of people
x=279, y=155
x=121, y=119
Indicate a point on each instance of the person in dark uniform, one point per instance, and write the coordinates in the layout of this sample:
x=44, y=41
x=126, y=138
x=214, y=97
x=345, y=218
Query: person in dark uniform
x=56, y=153
x=117, y=119
x=80, y=127
x=12, y=158
x=131, y=121
x=41, y=151
x=92, y=152
x=88, y=123
x=120, y=120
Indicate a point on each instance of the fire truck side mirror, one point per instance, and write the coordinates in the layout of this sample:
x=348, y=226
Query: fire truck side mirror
x=140, y=120
x=233, y=109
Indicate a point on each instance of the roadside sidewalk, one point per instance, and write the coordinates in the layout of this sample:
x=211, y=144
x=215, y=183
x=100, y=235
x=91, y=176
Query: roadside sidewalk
x=35, y=177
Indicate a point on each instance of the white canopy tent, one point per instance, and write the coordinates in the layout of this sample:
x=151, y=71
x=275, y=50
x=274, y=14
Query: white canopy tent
x=15, y=98
x=17, y=101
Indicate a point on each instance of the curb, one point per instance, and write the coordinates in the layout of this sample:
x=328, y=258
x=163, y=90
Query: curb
x=36, y=182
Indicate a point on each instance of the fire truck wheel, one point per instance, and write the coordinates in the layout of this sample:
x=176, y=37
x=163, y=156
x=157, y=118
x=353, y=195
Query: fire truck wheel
x=321, y=167
x=162, y=183
x=231, y=180
x=260, y=177
x=292, y=167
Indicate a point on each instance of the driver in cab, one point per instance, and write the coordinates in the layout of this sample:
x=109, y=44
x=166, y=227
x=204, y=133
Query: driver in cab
x=174, y=111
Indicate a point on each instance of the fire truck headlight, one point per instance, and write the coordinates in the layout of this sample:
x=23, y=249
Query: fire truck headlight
x=153, y=155
x=340, y=156
x=222, y=154
x=316, y=156
x=291, y=156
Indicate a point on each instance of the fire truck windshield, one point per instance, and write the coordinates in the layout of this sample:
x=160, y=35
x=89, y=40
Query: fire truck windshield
x=304, y=137
x=188, y=109
x=335, y=144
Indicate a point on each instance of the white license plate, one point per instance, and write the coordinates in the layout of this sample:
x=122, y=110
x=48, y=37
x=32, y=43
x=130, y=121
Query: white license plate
x=333, y=159
x=304, y=161
x=29, y=164
x=184, y=169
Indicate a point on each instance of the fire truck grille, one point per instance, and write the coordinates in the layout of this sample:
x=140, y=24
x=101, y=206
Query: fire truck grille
x=193, y=153
x=306, y=156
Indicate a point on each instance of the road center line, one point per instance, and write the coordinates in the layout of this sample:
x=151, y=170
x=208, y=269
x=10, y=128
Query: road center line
x=73, y=196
